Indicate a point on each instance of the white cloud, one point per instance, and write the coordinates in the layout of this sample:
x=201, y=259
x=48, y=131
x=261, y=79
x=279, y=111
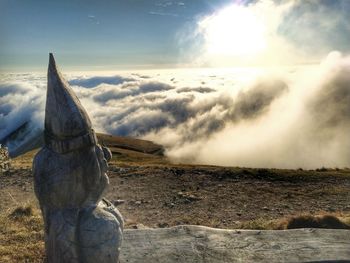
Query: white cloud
x=267, y=33
x=296, y=117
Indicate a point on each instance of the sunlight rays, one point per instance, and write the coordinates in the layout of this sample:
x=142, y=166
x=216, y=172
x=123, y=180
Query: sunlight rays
x=235, y=31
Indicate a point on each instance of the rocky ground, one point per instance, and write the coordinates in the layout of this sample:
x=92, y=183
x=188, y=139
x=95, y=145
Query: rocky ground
x=152, y=192
x=159, y=196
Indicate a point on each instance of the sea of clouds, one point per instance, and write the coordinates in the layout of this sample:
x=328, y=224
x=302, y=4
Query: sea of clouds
x=287, y=117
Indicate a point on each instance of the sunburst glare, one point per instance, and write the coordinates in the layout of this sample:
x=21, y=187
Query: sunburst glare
x=236, y=31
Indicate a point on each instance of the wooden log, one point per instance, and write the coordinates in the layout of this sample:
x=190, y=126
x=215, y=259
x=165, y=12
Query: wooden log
x=202, y=244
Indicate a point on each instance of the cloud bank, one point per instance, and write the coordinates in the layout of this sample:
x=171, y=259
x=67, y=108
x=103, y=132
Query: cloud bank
x=290, y=118
x=267, y=32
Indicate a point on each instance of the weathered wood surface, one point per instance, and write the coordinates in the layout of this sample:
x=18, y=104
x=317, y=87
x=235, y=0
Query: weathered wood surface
x=70, y=176
x=202, y=244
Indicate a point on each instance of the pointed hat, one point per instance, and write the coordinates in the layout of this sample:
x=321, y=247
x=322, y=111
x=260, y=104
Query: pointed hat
x=67, y=125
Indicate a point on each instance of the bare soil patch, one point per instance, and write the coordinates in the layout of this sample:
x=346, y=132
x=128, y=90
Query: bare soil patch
x=156, y=193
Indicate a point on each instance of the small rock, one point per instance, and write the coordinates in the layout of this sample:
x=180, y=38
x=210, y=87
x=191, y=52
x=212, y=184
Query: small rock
x=193, y=198
x=347, y=208
x=331, y=209
x=140, y=226
x=118, y=202
x=138, y=203
x=163, y=225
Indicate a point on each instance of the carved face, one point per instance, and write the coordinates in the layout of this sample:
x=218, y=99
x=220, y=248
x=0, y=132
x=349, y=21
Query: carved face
x=95, y=172
x=101, y=159
x=104, y=155
x=76, y=178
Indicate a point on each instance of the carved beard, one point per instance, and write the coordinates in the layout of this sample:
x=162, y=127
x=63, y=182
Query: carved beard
x=75, y=179
x=96, y=175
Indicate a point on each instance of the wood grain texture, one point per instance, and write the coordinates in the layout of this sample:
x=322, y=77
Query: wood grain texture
x=202, y=244
x=70, y=176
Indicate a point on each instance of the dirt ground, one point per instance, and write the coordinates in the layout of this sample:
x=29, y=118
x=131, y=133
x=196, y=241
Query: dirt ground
x=155, y=193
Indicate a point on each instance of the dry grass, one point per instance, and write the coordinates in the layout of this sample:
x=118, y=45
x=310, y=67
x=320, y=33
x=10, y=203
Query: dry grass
x=21, y=230
x=331, y=190
x=322, y=220
x=129, y=143
x=307, y=221
x=124, y=157
x=21, y=235
x=125, y=151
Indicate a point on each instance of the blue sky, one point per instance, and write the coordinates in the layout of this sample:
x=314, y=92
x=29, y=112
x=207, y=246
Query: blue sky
x=132, y=32
x=129, y=34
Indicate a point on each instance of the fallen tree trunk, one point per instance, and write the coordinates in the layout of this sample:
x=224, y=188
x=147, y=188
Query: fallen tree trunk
x=202, y=244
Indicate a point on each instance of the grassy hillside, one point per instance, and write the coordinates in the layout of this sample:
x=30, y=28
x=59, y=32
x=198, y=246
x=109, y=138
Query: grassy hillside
x=153, y=192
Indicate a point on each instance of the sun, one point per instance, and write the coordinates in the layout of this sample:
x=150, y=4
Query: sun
x=234, y=31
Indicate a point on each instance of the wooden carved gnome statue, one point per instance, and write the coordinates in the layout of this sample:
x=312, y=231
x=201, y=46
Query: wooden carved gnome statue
x=70, y=178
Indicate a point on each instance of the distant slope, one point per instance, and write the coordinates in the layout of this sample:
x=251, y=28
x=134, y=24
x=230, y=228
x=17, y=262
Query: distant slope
x=124, y=149
x=23, y=141
x=129, y=143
